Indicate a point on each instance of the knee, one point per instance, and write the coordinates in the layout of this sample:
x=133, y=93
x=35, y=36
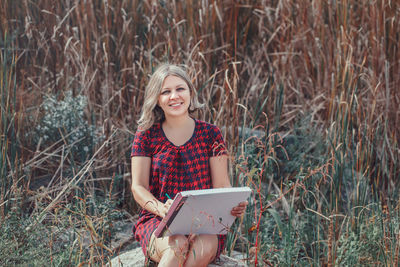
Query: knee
x=208, y=252
x=204, y=249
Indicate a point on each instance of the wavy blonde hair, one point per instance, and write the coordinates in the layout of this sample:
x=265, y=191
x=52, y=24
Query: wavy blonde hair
x=151, y=112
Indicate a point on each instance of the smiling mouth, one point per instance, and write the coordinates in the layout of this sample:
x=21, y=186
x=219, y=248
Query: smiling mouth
x=176, y=104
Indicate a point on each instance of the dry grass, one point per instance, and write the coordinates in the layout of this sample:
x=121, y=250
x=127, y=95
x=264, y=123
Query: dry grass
x=255, y=63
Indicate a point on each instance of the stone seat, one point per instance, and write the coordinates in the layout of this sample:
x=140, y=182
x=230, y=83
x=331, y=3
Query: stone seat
x=135, y=257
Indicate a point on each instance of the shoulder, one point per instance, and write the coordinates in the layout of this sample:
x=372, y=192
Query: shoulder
x=149, y=132
x=206, y=126
x=147, y=136
x=209, y=131
x=143, y=143
x=211, y=135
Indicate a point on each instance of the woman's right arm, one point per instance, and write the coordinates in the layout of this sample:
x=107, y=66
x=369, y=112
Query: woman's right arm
x=140, y=187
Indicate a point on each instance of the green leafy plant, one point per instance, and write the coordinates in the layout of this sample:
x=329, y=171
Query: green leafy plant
x=64, y=120
x=19, y=247
x=367, y=245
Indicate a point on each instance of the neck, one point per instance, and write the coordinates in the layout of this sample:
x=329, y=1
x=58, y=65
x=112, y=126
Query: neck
x=178, y=122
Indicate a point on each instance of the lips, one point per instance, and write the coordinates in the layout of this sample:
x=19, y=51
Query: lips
x=175, y=104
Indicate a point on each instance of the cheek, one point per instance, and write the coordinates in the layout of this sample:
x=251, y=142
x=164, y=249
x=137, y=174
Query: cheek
x=189, y=96
x=159, y=100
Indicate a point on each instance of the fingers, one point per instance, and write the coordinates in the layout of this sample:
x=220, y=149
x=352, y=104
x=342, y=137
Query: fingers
x=243, y=204
x=165, y=207
x=240, y=209
x=168, y=203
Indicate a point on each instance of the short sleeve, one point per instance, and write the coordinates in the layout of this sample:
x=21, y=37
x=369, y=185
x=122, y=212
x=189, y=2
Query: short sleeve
x=218, y=146
x=141, y=144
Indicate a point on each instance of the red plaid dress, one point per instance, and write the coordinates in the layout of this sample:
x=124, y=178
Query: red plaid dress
x=175, y=169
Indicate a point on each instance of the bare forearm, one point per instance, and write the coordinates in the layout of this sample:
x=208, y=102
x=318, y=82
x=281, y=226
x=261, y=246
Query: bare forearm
x=147, y=200
x=222, y=183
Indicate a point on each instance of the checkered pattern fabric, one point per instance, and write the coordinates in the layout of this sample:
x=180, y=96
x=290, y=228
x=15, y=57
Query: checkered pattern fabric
x=175, y=169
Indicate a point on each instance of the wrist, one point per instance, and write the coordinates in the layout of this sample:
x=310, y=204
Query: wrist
x=159, y=209
x=154, y=206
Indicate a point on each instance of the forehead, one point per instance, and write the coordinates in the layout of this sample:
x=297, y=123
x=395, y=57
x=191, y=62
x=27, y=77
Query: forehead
x=172, y=81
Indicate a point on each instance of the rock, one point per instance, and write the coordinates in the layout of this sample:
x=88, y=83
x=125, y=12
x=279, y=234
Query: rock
x=130, y=258
x=246, y=132
x=123, y=236
x=135, y=257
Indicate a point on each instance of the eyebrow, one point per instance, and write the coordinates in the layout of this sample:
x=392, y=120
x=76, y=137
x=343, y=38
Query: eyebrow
x=179, y=85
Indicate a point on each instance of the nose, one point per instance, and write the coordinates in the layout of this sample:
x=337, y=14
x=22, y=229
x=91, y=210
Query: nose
x=174, y=94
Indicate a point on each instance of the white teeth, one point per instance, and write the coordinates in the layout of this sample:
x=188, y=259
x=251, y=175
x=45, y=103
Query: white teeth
x=175, y=105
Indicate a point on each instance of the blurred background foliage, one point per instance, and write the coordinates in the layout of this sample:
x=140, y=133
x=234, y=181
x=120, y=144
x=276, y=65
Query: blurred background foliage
x=306, y=93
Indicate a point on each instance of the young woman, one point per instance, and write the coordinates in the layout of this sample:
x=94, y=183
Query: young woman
x=174, y=152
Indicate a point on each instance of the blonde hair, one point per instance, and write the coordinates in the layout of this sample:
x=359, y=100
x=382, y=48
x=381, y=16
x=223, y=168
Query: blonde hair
x=151, y=112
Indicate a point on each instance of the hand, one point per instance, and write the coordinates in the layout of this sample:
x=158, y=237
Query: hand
x=165, y=207
x=240, y=209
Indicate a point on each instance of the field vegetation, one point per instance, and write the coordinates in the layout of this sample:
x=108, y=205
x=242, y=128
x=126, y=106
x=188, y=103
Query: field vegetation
x=306, y=92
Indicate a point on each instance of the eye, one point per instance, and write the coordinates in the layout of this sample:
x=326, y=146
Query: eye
x=181, y=89
x=165, y=92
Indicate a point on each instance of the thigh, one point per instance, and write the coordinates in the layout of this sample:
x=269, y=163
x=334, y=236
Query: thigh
x=158, y=246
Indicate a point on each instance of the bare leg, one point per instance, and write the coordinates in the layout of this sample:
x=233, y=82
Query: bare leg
x=202, y=250
x=168, y=251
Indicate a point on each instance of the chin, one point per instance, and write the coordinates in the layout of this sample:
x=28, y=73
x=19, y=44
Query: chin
x=178, y=114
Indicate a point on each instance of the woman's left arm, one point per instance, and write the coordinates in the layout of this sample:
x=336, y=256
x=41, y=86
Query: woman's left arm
x=220, y=178
x=219, y=171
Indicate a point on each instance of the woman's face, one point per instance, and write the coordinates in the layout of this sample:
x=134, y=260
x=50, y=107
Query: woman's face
x=174, y=98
